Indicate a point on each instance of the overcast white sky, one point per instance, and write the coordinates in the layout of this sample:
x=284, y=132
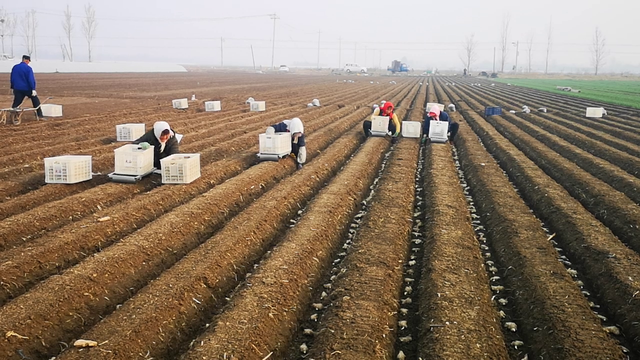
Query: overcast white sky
x=425, y=34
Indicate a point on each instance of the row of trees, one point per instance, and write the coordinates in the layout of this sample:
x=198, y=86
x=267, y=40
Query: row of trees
x=29, y=25
x=598, y=50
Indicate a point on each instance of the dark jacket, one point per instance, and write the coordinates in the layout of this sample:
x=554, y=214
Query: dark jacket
x=443, y=117
x=22, y=77
x=282, y=127
x=172, y=146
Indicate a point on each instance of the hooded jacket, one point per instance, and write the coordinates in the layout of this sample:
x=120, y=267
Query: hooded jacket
x=153, y=138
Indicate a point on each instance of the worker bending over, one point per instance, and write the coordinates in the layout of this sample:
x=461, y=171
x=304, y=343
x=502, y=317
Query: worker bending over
x=163, y=140
x=298, y=143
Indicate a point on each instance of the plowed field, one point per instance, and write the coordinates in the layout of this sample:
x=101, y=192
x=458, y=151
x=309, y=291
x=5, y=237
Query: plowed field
x=518, y=241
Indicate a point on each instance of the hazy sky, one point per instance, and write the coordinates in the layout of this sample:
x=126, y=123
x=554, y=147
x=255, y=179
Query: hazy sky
x=372, y=33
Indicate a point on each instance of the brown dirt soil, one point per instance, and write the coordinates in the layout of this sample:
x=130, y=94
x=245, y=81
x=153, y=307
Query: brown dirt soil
x=189, y=271
x=458, y=317
x=264, y=315
x=361, y=318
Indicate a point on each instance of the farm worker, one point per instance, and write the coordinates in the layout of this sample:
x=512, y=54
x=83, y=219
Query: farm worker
x=385, y=109
x=435, y=114
x=23, y=83
x=298, y=143
x=162, y=138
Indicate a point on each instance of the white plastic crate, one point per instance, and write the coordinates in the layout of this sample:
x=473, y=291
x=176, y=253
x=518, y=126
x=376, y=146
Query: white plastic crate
x=180, y=103
x=67, y=169
x=275, y=144
x=132, y=160
x=596, y=112
x=129, y=132
x=430, y=105
x=258, y=106
x=51, y=110
x=212, y=106
x=411, y=129
x=180, y=168
x=438, y=131
x=379, y=125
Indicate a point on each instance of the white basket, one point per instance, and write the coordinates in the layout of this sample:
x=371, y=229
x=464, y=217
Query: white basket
x=275, y=144
x=180, y=103
x=212, y=106
x=132, y=160
x=258, y=106
x=380, y=125
x=596, y=112
x=411, y=129
x=180, y=168
x=438, y=131
x=430, y=105
x=67, y=169
x=129, y=132
x=51, y=110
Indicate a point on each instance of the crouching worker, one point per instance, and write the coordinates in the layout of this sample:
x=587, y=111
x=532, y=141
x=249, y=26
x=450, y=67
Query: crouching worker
x=162, y=138
x=298, y=143
x=385, y=109
x=436, y=114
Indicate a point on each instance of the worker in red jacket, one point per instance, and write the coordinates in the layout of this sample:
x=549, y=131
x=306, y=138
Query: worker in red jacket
x=385, y=109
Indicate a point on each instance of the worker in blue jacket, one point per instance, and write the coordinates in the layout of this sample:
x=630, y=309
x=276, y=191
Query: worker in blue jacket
x=23, y=84
x=436, y=114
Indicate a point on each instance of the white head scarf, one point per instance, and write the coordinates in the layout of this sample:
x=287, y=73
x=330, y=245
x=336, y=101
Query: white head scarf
x=295, y=126
x=159, y=127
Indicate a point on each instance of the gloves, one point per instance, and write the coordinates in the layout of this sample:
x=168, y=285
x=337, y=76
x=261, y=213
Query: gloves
x=396, y=134
x=270, y=130
x=424, y=140
x=34, y=93
x=144, y=145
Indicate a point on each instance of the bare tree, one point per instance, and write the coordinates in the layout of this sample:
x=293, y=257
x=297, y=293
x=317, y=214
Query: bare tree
x=529, y=51
x=89, y=26
x=12, y=24
x=598, y=50
x=67, y=25
x=4, y=18
x=470, y=52
x=504, y=40
x=29, y=26
x=549, y=37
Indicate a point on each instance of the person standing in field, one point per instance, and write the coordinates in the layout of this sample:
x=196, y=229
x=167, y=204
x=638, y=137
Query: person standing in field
x=23, y=84
x=385, y=109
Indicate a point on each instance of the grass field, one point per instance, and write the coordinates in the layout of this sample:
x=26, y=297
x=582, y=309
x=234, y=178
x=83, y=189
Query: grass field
x=625, y=93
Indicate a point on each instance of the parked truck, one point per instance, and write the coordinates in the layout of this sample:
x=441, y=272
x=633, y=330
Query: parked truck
x=397, y=66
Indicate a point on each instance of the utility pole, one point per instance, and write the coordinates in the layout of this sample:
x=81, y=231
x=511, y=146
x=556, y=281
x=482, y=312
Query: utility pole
x=274, y=17
x=221, y=52
x=365, y=56
x=318, y=49
x=355, y=46
x=494, y=59
x=339, y=53
x=517, y=43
